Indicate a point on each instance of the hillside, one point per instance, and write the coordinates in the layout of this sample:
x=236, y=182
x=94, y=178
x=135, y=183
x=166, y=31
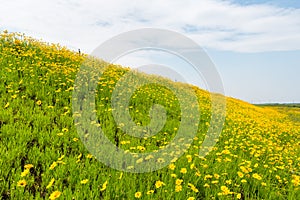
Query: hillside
x=42, y=156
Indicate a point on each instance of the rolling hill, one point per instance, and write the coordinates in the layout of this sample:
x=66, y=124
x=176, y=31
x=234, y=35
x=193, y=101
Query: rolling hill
x=257, y=155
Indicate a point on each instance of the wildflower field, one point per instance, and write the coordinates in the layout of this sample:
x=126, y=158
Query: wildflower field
x=42, y=156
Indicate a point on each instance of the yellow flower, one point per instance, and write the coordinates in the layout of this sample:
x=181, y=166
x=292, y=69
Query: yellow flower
x=125, y=142
x=192, y=166
x=121, y=175
x=65, y=130
x=296, y=180
x=225, y=190
x=191, y=198
x=193, y=187
x=61, y=162
x=158, y=184
x=141, y=148
x=178, y=188
x=172, y=166
x=207, y=177
x=240, y=174
x=173, y=175
x=53, y=165
x=138, y=195
x=239, y=196
x=50, y=183
x=150, y=192
x=25, y=172
x=217, y=176
x=28, y=166
x=104, y=186
x=6, y=105
x=84, y=181
x=149, y=157
x=189, y=158
x=183, y=171
x=79, y=156
x=60, y=158
x=226, y=152
x=178, y=181
x=257, y=176
x=89, y=156
x=245, y=170
x=22, y=183
x=160, y=160
x=55, y=195
x=39, y=102
x=75, y=139
x=263, y=184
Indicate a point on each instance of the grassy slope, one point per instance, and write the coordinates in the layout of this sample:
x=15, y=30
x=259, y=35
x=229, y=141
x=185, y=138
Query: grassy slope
x=292, y=110
x=36, y=127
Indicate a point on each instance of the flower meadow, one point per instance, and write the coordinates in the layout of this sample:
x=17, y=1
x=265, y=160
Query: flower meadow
x=257, y=155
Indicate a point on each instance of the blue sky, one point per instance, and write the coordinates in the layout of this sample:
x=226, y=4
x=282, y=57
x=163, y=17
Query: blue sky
x=279, y=3
x=255, y=45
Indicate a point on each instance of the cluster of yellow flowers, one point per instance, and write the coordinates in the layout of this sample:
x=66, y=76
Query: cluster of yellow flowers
x=258, y=147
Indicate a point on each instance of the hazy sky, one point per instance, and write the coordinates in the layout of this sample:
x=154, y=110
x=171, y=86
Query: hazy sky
x=254, y=44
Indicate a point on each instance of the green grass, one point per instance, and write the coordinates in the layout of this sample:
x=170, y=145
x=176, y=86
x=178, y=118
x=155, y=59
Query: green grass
x=256, y=157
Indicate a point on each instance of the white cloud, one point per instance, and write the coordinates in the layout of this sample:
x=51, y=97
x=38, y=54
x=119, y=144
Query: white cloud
x=215, y=24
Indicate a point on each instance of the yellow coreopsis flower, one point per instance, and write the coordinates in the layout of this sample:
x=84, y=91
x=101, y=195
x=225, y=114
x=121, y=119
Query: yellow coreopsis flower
x=150, y=192
x=189, y=158
x=193, y=187
x=53, y=165
x=25, y=172
x=240, y=174
x=85, y=181
x=172, y=166
x=50, y=183
x=244, y=181
x=158, y=184
x=138, y=195
x=6, y=105
x=178, y=181
x=296, y=180
x=183, y=170
x=89, y=156
x=217, y=176
x=225, y=190
x=39, y=102
x=173, y=175
x=28, y=166
x=257, y=176
x=55, y=195
x=178, y=188
x=21, y=183
x=191, y=198
x=104, y=186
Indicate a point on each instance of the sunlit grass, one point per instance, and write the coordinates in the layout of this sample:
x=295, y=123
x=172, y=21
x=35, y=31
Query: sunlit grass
x=256, y=157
